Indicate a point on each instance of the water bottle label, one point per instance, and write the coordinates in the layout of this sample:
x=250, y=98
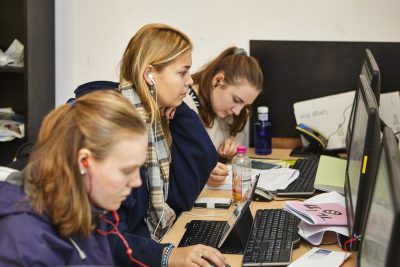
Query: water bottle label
x=241, y=186
x=263, y=116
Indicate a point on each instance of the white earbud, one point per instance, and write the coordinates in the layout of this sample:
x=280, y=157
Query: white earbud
x=151, y=78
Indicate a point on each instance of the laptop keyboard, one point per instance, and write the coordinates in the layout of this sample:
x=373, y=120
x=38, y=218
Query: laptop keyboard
x=203, y=232
x=304, y=184
x=272, y=238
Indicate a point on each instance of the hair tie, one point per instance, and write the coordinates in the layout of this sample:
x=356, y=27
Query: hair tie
x=72, y=103
x=239, y=51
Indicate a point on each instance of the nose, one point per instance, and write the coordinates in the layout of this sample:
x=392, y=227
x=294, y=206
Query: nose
x=237, y=108
x=135, y=181
x=189, y=81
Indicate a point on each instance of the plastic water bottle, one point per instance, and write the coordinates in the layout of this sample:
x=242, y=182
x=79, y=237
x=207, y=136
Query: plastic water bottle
x=241, y=175
x=262, y=132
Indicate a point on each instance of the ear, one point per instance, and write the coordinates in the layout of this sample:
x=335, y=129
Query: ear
x=218, y=79
x=84, y=156
x=146, y=73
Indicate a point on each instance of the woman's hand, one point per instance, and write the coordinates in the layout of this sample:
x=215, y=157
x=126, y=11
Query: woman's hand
x=228, y=149
x=218, y=175
x=197, y=255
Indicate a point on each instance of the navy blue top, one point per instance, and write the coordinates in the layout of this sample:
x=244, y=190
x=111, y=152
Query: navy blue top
x=193, y=159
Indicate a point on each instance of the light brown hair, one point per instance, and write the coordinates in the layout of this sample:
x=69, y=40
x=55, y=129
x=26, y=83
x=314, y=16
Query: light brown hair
x=236, y=66
x=96, y=121
x=156, y=45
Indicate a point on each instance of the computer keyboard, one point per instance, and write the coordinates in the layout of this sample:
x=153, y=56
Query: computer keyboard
x=203, y=232
x=304, y=184
x=273, y=236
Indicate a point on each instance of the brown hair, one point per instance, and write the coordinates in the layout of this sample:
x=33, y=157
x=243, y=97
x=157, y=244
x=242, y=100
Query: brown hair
x=156, y=45
x=236, y=66
x=96, y=121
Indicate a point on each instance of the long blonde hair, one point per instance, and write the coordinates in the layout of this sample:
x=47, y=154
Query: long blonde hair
x=156, y=45
x=97, y=121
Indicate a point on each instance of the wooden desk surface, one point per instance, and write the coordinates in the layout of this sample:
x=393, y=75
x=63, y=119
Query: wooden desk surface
x=176, y=232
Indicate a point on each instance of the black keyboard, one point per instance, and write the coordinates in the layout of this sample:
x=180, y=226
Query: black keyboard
x=273, y=236
x=203, y=232
x=304, y=184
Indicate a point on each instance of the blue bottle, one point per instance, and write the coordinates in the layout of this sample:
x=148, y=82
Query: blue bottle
x=262, y=132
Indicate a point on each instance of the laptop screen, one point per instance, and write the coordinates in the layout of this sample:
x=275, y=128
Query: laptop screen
x=239, y=211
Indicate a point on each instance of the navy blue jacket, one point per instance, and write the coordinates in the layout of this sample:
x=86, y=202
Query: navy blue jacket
x=193, y=159
x=29, y=239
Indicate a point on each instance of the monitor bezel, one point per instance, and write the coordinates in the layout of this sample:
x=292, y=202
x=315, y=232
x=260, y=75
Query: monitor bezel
x=390, y=148
x=392, y=153
x=371, y=66
x=371, y=149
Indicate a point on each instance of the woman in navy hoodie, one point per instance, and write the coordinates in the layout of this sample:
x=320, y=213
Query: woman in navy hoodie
x=155, y=77
x=85, y=163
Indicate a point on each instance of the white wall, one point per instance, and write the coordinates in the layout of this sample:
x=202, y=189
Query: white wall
x=91, y=35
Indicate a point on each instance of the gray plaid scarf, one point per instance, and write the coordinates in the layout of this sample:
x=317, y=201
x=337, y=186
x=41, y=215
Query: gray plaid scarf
x=160, y=216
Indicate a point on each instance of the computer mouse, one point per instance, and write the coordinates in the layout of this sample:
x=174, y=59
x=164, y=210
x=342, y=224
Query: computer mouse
x=262, y=195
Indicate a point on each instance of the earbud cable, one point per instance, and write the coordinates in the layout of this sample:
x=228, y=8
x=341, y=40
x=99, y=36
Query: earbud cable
x=115, y=231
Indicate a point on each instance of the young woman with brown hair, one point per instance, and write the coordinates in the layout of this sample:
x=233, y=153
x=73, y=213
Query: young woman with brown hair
x=222, y=94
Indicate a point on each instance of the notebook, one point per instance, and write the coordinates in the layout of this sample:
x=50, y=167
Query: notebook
x=330, y=174
x=318, y=213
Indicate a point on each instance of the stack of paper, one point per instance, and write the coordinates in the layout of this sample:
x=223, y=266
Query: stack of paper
x=11, y=125
x=318, y=213
x=315, y=233
x=270, y=180
x=14, y=55
x=275, y=179
x=330, y=174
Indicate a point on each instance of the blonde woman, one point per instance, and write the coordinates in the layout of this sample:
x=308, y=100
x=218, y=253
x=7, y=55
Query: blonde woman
x=85, y=163
x=155, y=77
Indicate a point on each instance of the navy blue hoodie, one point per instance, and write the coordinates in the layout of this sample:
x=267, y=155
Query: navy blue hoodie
x=29, y=239
x=193, y=159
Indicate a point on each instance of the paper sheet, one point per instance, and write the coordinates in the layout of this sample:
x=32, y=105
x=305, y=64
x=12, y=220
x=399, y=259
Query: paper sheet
x=271, y=180
x=318, y=257
x=314, y=234
x=328, y=115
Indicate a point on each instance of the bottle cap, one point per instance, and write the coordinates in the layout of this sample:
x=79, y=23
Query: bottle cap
x=262, y=109
x=241, y=149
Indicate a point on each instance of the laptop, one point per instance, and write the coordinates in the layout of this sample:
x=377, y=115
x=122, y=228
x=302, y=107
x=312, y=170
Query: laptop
x=230, y=236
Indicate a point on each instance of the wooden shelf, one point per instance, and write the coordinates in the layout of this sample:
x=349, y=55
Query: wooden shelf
x=28, y=90
x=12, y=69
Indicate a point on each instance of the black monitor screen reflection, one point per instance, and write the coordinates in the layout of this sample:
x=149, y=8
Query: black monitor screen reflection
x=379, y=245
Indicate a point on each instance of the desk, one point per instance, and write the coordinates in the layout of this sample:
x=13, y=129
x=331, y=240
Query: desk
x=176, y=232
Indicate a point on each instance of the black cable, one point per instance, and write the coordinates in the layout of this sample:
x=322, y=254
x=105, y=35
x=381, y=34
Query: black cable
x=340, y=124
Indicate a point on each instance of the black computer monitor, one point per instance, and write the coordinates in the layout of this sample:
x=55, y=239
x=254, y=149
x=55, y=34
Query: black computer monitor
x=371, y=71
x=362, y=157
x=380, y=246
